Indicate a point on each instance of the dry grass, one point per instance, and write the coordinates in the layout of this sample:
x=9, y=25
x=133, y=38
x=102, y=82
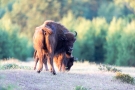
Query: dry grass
x=125, y=78
x=82, y=76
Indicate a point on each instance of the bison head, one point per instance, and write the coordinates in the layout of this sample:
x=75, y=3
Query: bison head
x=70, y=63
x=70, y=39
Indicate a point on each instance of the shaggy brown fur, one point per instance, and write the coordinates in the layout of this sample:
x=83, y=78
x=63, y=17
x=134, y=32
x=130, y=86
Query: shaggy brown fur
x=63, y=61
x=51, y=38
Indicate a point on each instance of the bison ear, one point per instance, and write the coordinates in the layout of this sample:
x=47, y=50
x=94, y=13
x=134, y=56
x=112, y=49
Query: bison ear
x=47, y=29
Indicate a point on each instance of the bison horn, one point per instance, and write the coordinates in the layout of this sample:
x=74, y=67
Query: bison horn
x=75, y=33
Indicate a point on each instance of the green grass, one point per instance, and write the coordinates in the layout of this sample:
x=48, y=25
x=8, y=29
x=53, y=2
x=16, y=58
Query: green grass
x=9, y=87
x=13, y=66
x=80, y=88
x=9, y=66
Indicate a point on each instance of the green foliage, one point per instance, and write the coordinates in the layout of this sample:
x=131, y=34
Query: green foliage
x=130, y=4
x=120, y=43
x=125, y=78
x=9, y=66
x=12, y=44
x=113, y=10
x=127, y=47
x=2, y=12
x=4, y=44
x=80, y=88
x=113, y=40
x=13, y=66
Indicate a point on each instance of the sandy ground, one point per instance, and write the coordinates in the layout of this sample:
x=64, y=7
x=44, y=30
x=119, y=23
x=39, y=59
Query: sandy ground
x=81, y=74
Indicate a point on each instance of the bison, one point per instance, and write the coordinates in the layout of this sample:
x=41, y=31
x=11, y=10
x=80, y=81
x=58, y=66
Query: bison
x=51, y=38
x=63, y=61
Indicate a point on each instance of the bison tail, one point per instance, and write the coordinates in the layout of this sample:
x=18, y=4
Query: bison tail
x=48, y=29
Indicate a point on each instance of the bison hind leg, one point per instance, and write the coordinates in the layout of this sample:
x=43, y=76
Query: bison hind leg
x=50, y=63
x=54, y=73
x=45, y=64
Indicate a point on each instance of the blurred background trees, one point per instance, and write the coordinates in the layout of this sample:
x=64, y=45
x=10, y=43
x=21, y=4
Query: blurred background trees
x=106, y=28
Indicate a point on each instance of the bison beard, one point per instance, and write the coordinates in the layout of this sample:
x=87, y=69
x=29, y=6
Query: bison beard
x=49, y=39
x=63, y=61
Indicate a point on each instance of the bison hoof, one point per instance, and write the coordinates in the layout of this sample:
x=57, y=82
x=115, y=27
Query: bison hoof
x=38, y=71
x=53, y=73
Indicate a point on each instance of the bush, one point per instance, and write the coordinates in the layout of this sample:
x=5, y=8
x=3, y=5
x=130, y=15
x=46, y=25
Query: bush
x=125, y=78
x=13, y=44
x=13, y=66
x=9, y=66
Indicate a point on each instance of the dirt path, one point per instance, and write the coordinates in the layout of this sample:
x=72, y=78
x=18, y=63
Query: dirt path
x=84, y=75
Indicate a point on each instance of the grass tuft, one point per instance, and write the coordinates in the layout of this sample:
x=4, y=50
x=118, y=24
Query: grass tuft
x=80, y=88
x=25, y=67
x=125, y=78
x=9, y=66
x=104, y=67
x=14, y=66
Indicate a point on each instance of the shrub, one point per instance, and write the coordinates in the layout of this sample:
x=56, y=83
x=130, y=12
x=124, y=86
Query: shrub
x=80, y=88
x=14, y=66
x=10, y=66
x=125, y=78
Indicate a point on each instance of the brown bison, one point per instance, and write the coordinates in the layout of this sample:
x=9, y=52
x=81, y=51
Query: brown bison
x=63, y=61
x=51, y=38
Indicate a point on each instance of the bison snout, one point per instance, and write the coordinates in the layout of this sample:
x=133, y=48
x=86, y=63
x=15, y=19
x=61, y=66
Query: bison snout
x=67, y=68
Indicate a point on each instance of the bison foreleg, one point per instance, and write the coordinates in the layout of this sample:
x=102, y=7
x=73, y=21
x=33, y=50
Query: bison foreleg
x=40, y=65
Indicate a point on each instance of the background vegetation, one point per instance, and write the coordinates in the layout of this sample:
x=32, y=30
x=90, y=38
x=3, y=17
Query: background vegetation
x=106, y=28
